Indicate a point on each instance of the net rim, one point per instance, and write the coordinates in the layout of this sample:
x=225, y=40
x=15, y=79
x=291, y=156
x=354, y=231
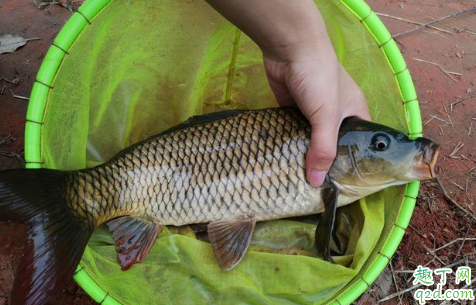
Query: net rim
x=85, y=16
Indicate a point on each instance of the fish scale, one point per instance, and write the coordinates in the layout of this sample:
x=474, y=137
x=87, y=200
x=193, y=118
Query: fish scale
x=248, y=164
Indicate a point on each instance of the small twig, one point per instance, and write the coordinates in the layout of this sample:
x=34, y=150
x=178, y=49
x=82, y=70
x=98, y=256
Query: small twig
x=435, y=21
x=466, y=187
x=8, y=154
x=12, y=81
x=451, y=200
x=396, y=294
x=467, y=97
x=466, y=158
x=457, y=148
x=15, y=155
x=393, y=276
x=414, y=22
x=66, y=5
x=454, y=241
x=7, y=139
x=455, y=28
x=449, y=119
x=437, y=118
x=454, y=73
x=469, y=31
x=434, y=250
x=447, y=73
x=404, y=271
x=470, y=128
x=417, y=231
x=43, y=4
x=428, y=121
x=464, y=239
x=19, y=96
x=455, y=263
x=457, y=185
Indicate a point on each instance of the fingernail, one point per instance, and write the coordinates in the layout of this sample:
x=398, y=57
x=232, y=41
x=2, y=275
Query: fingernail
x=317, y=177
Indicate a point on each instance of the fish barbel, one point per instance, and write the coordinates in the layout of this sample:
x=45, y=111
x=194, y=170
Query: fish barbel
x=229, y=169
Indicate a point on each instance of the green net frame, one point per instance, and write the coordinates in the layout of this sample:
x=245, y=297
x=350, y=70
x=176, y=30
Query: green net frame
x=92, y=8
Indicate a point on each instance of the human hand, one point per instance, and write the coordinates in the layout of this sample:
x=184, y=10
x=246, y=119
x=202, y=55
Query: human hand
x=302, y=68
x=324, y=92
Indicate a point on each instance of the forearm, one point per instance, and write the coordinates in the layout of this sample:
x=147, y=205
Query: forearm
x=281, y=28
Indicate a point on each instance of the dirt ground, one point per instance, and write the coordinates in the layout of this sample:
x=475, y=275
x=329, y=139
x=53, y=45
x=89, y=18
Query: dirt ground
x=443, y=65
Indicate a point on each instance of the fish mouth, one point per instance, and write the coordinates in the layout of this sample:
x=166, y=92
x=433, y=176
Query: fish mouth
x=425, y=168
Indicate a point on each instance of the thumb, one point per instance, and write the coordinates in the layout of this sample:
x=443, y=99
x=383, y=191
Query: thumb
x=323, y=146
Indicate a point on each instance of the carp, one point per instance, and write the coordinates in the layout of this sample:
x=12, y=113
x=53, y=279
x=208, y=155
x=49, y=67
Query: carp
x=229, y=169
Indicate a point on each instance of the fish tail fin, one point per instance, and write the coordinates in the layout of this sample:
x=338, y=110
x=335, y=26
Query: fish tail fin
x=55, y=240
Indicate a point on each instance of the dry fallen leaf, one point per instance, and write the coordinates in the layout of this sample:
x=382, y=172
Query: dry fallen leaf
x=9, y=43
x=71, y=5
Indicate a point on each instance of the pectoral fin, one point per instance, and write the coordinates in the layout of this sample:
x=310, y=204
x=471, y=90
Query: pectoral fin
x=230, y=239
x=134, y=239
x=325, y=229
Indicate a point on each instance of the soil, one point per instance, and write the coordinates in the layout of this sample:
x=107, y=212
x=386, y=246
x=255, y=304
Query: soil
x=447, y=102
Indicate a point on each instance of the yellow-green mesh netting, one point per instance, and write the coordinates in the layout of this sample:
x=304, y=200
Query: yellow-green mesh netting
x=143, y=66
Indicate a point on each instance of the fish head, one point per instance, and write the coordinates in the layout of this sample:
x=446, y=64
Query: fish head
x=376, y=156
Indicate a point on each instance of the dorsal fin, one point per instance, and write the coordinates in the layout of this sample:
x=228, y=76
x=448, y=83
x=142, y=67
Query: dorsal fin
x=202, y=119
x=134, y=238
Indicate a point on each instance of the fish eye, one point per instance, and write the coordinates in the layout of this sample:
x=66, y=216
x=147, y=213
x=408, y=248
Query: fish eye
x=380, y=142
